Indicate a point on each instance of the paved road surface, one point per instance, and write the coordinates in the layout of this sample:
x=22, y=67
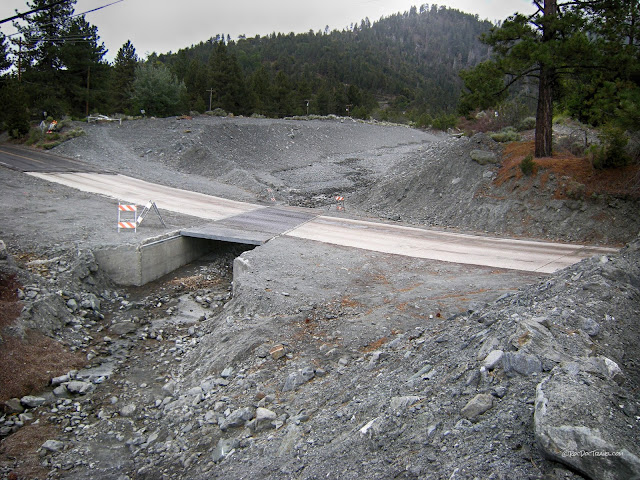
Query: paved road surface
x=531, y=256
x=31, y=160
x=507, y=253
x=132, y=190
x=261, y=223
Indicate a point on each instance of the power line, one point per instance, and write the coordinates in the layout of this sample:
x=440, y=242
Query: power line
x=22, y=15
x=57, y=3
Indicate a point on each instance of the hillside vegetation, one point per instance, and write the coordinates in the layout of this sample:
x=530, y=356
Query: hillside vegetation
x=407, y=62
x=402, y=66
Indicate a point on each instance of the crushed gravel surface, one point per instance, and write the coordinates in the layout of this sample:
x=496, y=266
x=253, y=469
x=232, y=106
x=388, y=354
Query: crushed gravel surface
x=318, y=361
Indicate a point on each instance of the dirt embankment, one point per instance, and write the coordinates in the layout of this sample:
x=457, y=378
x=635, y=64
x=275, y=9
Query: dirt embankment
x=326, y=362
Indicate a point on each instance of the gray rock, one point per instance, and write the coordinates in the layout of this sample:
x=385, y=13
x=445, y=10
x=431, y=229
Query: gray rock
x=60, y=380
x=264, y=414
x=194, y=392
x=80, y=388
x=31, y=401
x=169, y=387
x=500, y=391
x=123, y=328
x=223, y=448
x=61, y=391
x=590, y=327
x=26, y=417
x=91, y=302
x=52, y=446
x=493, y=359
x=227, y=372
x=401, y=403
x=128, y=410
x=569, y=428
x=375, y=358
x=613, y=370
x=422, y=372
x=521, y=363
x=72, y=304
x=13, y=405
x=483, y=157
x=295, y=379
x=237, y=418
x=265, y=419
x=291, y=438
x=477, y=406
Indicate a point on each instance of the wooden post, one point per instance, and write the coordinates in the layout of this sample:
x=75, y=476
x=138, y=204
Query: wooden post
x=88, y=83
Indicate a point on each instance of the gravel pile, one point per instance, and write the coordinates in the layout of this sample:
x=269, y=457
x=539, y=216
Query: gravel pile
x=318, y=361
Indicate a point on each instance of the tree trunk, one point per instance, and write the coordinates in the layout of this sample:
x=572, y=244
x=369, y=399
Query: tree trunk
x=544, y=114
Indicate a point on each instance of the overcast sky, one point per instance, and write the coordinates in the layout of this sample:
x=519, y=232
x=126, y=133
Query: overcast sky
x=168, y=25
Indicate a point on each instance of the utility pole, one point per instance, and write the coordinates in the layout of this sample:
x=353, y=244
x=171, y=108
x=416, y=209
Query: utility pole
x=88, y=79
x=210, y=97
x=20, y=60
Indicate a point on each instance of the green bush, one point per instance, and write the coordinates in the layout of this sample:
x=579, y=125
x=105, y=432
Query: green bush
x=527, y=165
x=528, y=123
x=506, y=135
x=611, y=152
x=424, y=121
x=217, y=112
x=35, y=135
x=444, y=121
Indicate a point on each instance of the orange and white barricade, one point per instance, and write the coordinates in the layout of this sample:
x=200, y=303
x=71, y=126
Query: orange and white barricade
x=339, y=203
x=126, y=209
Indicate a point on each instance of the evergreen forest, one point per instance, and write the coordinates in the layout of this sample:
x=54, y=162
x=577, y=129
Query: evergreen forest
x=426, y=66
x=402, y=67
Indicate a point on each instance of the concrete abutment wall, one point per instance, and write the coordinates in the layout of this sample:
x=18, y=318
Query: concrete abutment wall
x=138, y=264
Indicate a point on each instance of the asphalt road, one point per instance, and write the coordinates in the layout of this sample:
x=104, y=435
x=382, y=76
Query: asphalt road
x=30, y=160
x=532, y=256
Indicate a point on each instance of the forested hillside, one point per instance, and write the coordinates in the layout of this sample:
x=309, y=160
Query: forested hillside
x=408, y=62
x=402, y=67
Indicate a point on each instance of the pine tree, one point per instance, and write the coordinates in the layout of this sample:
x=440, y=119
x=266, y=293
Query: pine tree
x=197, y=84
x=5, y=60
x=122, y=77
x=85, y=75
x=40, y=53
x=563, y=42
x=156, y=90
x=227, y=82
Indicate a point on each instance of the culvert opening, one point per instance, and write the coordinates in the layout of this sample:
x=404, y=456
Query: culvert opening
x=139, y=264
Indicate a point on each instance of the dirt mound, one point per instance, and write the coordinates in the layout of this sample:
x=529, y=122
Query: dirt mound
x=242, y=158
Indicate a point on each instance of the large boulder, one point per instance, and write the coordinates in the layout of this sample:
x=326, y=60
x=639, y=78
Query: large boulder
x=579, y=422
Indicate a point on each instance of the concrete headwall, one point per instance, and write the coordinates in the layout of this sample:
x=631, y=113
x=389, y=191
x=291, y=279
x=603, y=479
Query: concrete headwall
x=138, y=264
